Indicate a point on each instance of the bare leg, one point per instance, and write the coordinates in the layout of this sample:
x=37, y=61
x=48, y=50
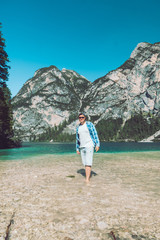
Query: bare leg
x=88, y=173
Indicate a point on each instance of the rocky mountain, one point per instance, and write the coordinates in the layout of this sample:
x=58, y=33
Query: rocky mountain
x=133, y=87
x=52, y=96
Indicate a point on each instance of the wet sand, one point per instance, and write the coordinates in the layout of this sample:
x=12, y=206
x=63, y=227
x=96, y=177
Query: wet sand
x=45, y=198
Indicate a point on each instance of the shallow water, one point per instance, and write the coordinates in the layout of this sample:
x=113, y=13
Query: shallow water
x=43, y=148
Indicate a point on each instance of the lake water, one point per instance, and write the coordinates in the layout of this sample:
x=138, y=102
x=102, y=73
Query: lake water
x=35, y=149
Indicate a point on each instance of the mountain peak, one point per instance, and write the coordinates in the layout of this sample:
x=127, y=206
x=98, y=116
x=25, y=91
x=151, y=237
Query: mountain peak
x=45, y=69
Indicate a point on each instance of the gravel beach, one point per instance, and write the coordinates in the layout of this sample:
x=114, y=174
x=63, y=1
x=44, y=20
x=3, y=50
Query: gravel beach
x=46, y=197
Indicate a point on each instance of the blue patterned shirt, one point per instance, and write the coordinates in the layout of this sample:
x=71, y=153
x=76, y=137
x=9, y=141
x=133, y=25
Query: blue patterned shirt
x=93, y=134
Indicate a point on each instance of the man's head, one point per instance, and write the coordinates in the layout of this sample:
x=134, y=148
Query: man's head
x=82, y=118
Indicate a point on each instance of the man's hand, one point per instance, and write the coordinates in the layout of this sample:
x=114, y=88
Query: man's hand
x=78, y=152
x=96, y=148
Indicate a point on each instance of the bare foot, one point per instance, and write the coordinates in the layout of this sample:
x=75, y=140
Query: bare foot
x=87, y=181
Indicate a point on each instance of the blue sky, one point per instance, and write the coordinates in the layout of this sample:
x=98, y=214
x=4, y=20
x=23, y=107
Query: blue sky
x=91, y=37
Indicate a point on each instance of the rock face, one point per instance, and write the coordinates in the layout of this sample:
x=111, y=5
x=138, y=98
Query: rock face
x=133, y=87
x=52, y=96
x=47, y=99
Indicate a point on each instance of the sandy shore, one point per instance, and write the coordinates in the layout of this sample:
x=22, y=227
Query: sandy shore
x=45, y=198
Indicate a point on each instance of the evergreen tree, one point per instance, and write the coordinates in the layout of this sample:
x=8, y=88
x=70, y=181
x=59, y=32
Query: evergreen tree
x=6, y=122
x=3, y=61
x=6, y=131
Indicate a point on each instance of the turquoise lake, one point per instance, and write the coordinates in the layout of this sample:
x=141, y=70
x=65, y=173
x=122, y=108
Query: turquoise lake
x=36, y=149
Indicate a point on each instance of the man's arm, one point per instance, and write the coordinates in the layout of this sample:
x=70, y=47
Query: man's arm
x=77, y=142
x=96, y=138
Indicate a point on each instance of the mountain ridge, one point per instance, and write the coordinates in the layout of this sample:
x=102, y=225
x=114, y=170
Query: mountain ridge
x=52, y=96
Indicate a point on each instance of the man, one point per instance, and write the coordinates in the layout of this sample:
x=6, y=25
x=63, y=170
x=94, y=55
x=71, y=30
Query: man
x=86, y=140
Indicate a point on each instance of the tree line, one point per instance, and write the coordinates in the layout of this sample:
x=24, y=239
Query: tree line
x=56, y=133
x=138, y=127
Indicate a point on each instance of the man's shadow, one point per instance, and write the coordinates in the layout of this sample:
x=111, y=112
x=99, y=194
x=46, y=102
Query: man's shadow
x=82, y=172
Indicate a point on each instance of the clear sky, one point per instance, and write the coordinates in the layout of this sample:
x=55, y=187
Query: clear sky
x=91, y=37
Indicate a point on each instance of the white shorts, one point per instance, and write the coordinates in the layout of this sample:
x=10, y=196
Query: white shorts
x=87, y=155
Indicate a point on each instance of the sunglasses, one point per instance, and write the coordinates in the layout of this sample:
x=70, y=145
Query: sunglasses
x=81, y=117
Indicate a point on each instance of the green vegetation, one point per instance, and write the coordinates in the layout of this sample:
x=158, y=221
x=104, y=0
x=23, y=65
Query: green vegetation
x=6, y=132
x=7, y=139
x=107, y=129
x=56, y=134
x=139, y=127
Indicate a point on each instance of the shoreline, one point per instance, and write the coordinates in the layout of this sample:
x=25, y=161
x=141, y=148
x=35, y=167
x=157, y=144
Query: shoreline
x=38, y=149
x=75, y=154
x=48, y=199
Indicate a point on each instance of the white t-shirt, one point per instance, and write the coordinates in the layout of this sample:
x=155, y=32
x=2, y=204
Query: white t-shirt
x=84, y=136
